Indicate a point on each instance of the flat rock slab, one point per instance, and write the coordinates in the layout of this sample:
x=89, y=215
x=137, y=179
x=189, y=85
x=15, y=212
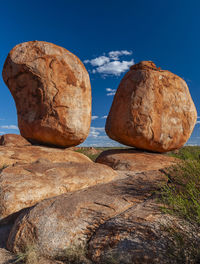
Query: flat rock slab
x=134, y=160
x=28, y=154
x=69, y=220
x=23, y=185
x=13, y=140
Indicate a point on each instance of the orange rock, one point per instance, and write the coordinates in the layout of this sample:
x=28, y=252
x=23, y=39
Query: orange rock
x=27, y=154
x=23, y=185
x=134, y=160
x=13, y=140
x=152, y=110
x=52, y=92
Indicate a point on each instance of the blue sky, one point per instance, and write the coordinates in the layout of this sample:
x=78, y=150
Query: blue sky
x=108, y=36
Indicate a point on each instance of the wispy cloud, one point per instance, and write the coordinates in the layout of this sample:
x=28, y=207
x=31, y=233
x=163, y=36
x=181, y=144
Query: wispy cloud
x=110, y=92
x=198, y=122
x=9, y=127
x=2, y=132
x=111, y=64
x=104, y=117
x=95, y=131
x=94, y=117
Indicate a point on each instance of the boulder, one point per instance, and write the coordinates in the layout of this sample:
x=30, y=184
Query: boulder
x=24, y=185
x=152, y=110
x=143, y=234
x=52, y=92
x=28, y=154
x=13, y=140
x=68, y=221
x=134, y=160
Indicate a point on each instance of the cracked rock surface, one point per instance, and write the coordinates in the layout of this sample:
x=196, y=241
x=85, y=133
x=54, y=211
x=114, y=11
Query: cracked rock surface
x=52, y=92
x=152, y=110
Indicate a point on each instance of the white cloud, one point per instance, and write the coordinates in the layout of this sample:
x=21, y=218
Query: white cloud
x=198, y=122
x=110, y=91
x=95, y=131
x=114, y=67
x=10, y=127
x=104, y=117
x=98, y=61
x=2, y=132
x=94, y=117
x=198, y=117
x=115, y=54
x=111, y=64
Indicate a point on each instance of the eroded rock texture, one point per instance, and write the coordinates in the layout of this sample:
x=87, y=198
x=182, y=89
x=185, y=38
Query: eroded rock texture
x=13, y=140
x=134, y=160
x=152, y=110
x=52, y=92
x=69, y=220
x=23, y=185
x=27, y=154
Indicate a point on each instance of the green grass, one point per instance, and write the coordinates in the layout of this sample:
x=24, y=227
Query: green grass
x=187, y=153
x=181, y=196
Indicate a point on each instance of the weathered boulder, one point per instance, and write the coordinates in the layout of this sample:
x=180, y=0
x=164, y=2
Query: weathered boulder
x=52, y=92
x=68, y=221
x=134, y=160
x=152, y=109
x=28, y=154
x=23, y=185
x=13, y=140
x=143, y=234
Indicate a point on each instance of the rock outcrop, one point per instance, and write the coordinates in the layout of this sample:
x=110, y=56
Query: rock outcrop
x=69, y=220
x=13, y=140
x=29, y=154
x=134, y=160
x=152, y=110
x=23, y=185
x=52, y=92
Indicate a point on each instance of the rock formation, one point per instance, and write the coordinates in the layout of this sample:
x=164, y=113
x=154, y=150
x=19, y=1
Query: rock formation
x=23, y=185
x=13, y=140
x=69, y=220
x=28, y=154
x=134, y=160
x=52, y=92
x=152, y=110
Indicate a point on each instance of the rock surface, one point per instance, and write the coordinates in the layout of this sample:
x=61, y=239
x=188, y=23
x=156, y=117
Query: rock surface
x=52, y=92
x=134, y=160
x=152, y=110
x=69, y=220
x=28, y=154
x=13, y=140
x=6, y=257
x=142, y=234
x=23, y=185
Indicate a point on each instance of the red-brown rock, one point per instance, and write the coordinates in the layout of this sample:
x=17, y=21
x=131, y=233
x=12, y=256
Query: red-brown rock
x=13, y=140
x=134, y=160
x=27, y=154
x=52, y=92
x=23, y=185
x=152, y=110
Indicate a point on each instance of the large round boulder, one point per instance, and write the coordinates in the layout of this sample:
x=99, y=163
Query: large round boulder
x=152, y=110
x=52, y=92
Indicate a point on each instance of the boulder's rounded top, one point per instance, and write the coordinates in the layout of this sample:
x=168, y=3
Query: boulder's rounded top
x=144, y=65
